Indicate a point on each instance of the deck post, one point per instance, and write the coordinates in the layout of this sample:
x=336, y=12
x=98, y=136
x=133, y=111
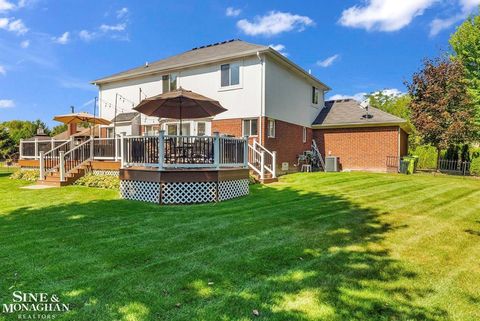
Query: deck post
x=161, y=149
x=36, y=148
x=262, y=164
x=245, y=151
x=42, y=165
x=216, y=149
x=92, y=150
x=61, y=156
x=122, y=150
x=274, y=164
x=52, y=143
x=21, y=148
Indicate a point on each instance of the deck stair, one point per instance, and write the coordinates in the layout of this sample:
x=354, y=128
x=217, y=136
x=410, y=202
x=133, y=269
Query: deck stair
x=262, y=163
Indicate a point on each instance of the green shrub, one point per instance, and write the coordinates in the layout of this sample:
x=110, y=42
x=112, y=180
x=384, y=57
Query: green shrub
x=30, y=175
x=99, y=181
x=427, y=156
x=474, y=152
x=475, y=167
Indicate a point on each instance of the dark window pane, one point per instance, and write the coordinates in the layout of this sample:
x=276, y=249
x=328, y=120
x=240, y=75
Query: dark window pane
x=246, y=127
x=201, y=129
x=254, y=127
x=225, y=71
x=165, y=83
x=234, y=74
x=173, y=82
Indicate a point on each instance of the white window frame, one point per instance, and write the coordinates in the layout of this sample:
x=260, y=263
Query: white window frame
x=170, y=76
x=271, y=130
x=304, y=134
x=205, y=130
x=240, y=76
x=250, y=127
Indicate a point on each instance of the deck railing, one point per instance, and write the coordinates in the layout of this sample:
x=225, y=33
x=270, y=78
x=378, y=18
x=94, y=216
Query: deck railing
x=172, y=151
x=30, y=149
x=106, y=148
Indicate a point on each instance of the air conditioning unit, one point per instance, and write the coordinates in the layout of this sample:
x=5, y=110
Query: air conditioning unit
x=331, y=164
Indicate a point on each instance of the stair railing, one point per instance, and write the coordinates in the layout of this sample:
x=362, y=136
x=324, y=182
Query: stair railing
x=75, y=157
x=255, y=160
x=50, y=160
x=270, y=158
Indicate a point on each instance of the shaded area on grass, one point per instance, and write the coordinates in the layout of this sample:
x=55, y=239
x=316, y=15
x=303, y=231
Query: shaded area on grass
x=289, y=254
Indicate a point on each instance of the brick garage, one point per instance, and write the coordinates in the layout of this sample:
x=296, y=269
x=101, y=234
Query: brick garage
x=362, y=148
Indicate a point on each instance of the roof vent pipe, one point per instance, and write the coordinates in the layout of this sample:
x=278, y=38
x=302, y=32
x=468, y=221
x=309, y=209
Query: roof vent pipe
x=146, y=64
x=309, y=71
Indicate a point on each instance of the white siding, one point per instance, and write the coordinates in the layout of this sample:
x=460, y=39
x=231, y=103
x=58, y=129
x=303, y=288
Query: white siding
x=242, y=101
x=288, y=97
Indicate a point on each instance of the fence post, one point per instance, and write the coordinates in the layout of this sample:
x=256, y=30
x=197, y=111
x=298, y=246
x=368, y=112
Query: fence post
x=21, y=148
x=92, y=147
x=62, y=165
x=42, y=165
x=122, y=150
x=36, y=148
x=216, y=149
x=52, y=143
x=274, y=164
x=72, y=143
x=262, y=164
x=161, y=149
x=245, y=151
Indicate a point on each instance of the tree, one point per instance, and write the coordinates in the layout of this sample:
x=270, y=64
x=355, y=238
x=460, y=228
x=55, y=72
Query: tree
x=58, y=129
x=441, y=107
x=398, y=105
x=466, y=44
x=7, y=144
x=21, y=129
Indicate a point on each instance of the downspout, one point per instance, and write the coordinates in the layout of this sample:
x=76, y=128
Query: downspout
x=262, y=102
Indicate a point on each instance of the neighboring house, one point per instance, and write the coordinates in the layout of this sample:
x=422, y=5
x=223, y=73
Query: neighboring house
x=267, y=96
x=125, y=123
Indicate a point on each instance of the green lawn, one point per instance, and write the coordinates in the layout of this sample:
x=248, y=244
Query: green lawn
x=346, y=246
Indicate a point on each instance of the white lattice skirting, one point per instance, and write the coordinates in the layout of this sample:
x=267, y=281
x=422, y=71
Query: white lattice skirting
x=232, y=189
x=183, y=193
x=140, y=191
x=107, y=172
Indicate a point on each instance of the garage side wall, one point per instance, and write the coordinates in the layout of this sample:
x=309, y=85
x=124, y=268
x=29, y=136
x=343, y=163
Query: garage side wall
x=359, y=148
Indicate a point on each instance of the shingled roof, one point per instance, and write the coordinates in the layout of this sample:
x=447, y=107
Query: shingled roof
x=349, y=112
x=125, y=117
x=231, y=49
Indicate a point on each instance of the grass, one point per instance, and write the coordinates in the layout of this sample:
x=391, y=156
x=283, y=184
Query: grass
x=343, y=246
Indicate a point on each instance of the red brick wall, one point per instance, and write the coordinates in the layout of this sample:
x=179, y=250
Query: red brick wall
x=359, y=148
x=288, y=141
x=228, y=126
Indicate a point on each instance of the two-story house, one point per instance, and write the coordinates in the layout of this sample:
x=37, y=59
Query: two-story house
x=268, y=98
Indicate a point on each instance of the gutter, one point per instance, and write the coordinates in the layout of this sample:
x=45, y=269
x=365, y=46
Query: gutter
x=360, y=125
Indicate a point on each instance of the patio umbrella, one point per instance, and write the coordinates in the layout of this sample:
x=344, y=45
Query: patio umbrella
x=180, y=104
x=77, y=118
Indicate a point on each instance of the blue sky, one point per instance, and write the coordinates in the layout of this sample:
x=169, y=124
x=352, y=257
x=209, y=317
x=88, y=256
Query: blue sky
x=50, y=50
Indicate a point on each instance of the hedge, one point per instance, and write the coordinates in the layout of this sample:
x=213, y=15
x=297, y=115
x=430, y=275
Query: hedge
x=475, y=166
x=30, y=175
x=99, y=181
x=427, y=156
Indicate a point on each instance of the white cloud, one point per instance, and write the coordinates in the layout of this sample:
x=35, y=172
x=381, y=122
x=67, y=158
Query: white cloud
x=86, y=35
x=117, y=27
x=13, y=25
x=360, y=97
x=3, y=71
x=467, y=7
x=280, y=48
x=122, y=12
x=232, y=12
x=384, y=15
x=63, y=39
x=25, y=44
x=7, y=103
x=328, y=62
x=6, y=5
x=273, y=23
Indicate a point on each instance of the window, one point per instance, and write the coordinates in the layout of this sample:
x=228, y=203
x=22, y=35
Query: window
x=230, y=75
x=250, y=127
x=171, y=129
x=169, y=82
x=304, y=138
x=315, y=95
x=110, y=132
x=201, y=128
x=271, y=128
x=150, y=130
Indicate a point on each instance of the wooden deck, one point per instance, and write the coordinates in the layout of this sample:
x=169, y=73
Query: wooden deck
x=146, y=174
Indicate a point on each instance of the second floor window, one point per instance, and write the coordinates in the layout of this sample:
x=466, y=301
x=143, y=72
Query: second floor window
x=315, y=95
x=250, y=127
x=230, y=75
x=169, y=82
